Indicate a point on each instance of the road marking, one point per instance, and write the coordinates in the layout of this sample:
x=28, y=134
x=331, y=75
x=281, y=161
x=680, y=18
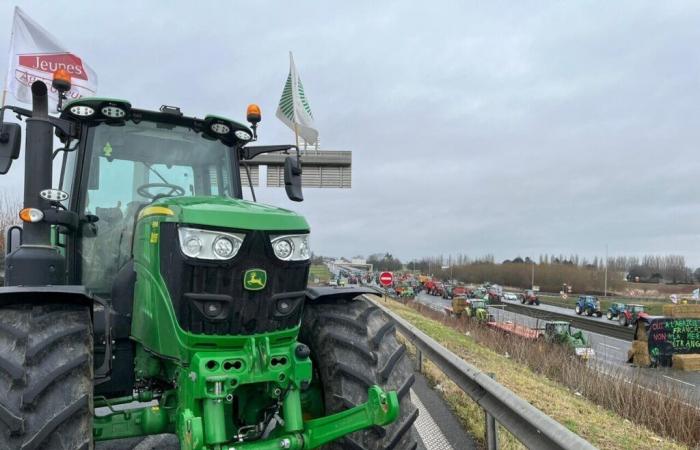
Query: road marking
x=680, y=381
x=430, y=433
x=609, y=346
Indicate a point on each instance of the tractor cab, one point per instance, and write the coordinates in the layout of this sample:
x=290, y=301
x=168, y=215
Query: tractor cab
x=557, y=328
x=477, y=303
x=636, y=309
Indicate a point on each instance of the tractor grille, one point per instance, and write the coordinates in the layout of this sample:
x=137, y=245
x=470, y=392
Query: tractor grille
x=209, y=298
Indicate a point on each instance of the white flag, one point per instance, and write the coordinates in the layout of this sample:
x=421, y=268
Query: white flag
x=294, y=109
x=35, y=55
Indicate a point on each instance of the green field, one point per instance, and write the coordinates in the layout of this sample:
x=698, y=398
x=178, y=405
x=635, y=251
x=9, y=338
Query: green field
x=320, y=272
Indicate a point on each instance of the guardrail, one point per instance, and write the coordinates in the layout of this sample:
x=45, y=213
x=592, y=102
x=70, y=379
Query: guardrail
x=528, y=424
x=596, y=326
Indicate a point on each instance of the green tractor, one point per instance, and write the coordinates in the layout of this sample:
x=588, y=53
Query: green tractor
x=143, y=276
x=476, y=309
x=559, y=331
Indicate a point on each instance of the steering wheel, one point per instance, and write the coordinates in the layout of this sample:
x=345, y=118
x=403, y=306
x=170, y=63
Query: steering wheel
x=175, y=190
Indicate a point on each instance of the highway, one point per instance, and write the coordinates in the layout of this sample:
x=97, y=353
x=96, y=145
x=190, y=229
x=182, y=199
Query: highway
x=610, y=353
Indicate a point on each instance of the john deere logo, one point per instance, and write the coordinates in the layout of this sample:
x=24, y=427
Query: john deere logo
x=255, y=279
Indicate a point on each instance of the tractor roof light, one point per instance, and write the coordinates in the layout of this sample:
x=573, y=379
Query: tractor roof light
x=113, y=112
x=220, y=128
x=93, y=108
x=243, y=135
x=81, y=110
x=253, y=114
x=61, y=80
x=226, y=130
x=31, y=215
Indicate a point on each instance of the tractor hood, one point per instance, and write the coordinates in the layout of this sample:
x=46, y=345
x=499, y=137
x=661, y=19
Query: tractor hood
x=225, y=212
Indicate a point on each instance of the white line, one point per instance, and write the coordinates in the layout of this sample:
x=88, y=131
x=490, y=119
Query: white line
x=609, y=346
x=430, y=433
x=680, y=381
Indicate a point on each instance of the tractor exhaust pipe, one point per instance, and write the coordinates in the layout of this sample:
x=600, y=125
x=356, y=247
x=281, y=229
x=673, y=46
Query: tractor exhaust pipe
x=37, y=164
x=35, y=262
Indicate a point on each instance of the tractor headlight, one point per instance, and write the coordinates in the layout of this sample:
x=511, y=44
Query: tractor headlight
x=206, y=244
x=292, y=247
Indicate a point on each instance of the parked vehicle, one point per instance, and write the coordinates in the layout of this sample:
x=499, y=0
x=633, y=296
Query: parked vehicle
x=476, y=308
x=630, y=315
x=530, y=298
x=559, y=331
x=615, y=309
x=451, y=292
x=510, y=297
x=495, y=293
x=183, y=297
x=434, y=287
x=588, y=304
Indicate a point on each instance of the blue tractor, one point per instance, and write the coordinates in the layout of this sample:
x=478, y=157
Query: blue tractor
x=589, y=305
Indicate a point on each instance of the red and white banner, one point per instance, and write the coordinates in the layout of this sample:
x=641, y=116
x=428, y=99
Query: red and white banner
x=35, y=54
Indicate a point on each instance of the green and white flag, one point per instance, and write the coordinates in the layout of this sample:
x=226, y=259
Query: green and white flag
x=294, y=109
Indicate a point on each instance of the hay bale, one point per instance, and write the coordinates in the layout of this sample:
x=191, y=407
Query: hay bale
x=682, y=311
x=686, y=362
x=639, y=354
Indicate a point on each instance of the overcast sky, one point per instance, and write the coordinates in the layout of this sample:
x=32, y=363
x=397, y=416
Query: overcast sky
x=510, y=128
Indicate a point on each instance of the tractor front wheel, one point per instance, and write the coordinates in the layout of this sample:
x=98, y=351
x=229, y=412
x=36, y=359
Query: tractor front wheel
x=578, y=310
x=610, y=316
x=46, y=372
x=354, y=346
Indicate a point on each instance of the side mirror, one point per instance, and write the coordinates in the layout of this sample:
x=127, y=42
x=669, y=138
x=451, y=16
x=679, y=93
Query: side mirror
x=13, y=239
x=10, y=139
x=292, y=178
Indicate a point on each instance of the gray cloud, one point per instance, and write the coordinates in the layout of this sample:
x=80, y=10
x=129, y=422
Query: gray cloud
x=500, y=127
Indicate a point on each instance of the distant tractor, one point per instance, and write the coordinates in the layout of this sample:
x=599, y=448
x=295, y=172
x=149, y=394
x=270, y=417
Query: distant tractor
x=478, y=293
x=529, y=298
x=476, y=308
x=615, y=310
x=451, y=292
x=589, y=305
x=631, y=315
x=495, y=293
x=434, y=287
x=407, y=292
x=559, y=331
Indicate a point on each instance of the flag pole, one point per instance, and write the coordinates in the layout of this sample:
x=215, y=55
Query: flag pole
x=12, y=46
x=296, y=135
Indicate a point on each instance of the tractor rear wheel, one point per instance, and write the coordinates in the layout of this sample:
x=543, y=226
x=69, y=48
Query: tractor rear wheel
x=354, y=346
x=45, y=377
x=578, y=310
x=610, y=316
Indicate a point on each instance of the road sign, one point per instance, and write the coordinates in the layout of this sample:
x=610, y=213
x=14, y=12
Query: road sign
x=386, y=278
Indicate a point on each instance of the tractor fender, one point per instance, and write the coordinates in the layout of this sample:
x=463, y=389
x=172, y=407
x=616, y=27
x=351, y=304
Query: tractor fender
x=69, y=294
x=333, y=294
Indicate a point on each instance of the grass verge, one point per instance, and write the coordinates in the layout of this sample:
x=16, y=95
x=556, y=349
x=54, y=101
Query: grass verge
x=606, y=409
x=320, y=272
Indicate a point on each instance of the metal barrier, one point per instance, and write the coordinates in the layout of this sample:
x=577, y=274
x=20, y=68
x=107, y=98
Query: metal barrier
x=528, y=424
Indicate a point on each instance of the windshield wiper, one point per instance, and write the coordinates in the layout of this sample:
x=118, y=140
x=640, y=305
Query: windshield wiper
x=156, y=172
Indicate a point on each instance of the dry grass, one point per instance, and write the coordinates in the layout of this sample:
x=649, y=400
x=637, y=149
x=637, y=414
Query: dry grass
x=605, y=409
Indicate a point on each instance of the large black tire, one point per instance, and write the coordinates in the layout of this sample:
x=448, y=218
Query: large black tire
x=354, y=346
x=45, y=377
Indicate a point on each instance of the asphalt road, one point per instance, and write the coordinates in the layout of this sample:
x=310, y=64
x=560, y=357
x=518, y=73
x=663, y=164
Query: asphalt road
x=610, y=353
